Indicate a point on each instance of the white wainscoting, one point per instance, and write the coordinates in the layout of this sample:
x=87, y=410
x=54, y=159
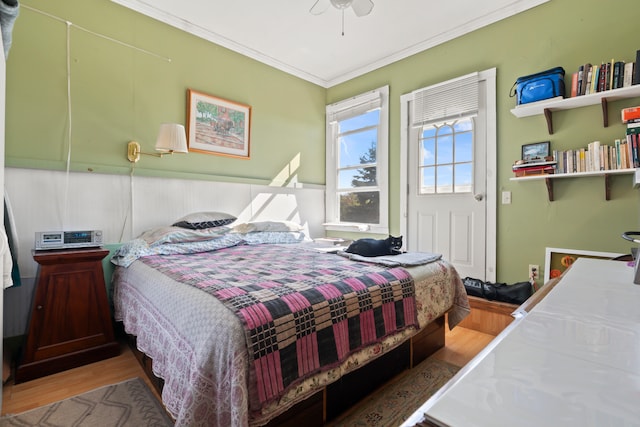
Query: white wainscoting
x=123, y=207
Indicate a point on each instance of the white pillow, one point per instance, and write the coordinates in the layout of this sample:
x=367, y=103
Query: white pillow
x=267, y=226
x=166, y=235
x=273, y=237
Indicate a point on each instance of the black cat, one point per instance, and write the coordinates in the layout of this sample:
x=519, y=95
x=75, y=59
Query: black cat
x=374, y=247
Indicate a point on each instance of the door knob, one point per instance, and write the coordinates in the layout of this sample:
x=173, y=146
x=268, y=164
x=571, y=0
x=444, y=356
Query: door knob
x=479, y=197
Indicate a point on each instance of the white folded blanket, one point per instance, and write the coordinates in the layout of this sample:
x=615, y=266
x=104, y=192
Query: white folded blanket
x=405, y=259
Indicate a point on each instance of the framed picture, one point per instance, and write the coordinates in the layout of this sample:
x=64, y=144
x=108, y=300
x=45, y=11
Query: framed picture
x=217, y=126
x=557, y=260
x=535, y=152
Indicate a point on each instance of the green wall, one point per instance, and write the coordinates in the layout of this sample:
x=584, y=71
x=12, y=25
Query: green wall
x=119, y=93
x=558, y=33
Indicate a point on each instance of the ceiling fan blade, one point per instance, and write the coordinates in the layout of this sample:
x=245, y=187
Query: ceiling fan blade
x=362, y=7
x=319, y=7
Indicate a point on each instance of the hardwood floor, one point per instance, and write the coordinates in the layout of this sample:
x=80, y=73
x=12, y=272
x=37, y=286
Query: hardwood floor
x=461, y=346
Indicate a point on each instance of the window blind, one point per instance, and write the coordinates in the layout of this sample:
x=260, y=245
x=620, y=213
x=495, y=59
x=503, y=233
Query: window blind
x=354, y=106
x=447, y=100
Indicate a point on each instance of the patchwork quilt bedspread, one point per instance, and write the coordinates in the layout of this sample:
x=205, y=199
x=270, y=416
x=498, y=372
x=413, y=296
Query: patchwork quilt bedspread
x=281, y=314
x=302, y=311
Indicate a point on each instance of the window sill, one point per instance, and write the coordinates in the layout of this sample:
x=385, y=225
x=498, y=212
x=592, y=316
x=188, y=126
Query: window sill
x=356, y=228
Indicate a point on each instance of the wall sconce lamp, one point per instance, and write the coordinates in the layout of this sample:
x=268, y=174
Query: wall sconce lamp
x=171, y=139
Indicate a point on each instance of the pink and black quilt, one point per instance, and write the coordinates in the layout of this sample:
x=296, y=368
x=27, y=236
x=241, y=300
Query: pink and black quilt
x=303, y=311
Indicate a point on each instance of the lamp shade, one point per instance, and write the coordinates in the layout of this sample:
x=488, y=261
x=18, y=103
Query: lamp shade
x=172, y=138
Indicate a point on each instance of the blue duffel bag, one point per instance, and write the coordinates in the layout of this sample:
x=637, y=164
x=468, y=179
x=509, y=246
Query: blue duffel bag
x=536, y=87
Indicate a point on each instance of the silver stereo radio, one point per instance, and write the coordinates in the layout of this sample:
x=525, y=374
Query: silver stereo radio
x=68, y=239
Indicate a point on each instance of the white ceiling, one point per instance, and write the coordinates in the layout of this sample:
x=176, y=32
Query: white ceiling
x=283, y=34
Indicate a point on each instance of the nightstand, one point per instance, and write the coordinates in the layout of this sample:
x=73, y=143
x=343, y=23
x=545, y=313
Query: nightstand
x=70, y=322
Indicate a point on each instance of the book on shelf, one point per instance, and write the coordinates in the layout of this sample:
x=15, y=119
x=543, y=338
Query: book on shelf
x=535, y=170
x=630, y=114
x=580, y=78
x=594, y=79
x=574, y=84
x=629, y=69
x=602, y=77
x=610, y=76
x=615, y=76
x=586, y=89
x=585, y=78
x=633, y=143
x=533, y=164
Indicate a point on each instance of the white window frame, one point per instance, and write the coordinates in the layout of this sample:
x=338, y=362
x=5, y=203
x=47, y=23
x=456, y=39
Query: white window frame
x=332, y=204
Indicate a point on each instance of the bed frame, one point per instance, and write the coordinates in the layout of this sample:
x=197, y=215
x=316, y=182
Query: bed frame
x=344, y=393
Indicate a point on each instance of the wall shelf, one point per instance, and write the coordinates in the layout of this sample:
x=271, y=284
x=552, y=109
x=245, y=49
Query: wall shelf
x=603, y=98
x=548, y=178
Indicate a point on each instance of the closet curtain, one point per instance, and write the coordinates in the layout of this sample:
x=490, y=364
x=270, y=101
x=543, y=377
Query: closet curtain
x=9, y=10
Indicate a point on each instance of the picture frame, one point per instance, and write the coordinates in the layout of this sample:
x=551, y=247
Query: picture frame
x=218, y=126
x=557, y=260
x=536, y=152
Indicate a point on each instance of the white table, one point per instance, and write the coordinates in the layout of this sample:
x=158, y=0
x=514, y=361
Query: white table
x=573, y=360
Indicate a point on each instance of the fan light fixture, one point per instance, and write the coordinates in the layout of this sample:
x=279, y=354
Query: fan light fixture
x=171, y=139
x=360, y=7
x=341, y=4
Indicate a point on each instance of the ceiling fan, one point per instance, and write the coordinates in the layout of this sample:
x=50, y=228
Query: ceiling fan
x=360, y=7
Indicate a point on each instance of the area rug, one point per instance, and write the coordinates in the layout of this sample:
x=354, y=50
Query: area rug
x=126, y=404
x=396, y=401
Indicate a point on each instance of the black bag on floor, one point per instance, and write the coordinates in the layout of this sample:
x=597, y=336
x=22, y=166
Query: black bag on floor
x=514, y=294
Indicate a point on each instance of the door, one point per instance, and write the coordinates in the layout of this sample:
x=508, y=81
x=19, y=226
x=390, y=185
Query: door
x=447, y=193
x=450, y=202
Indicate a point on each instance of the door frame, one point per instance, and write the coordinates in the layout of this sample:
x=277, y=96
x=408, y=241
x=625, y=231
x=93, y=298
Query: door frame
x=489, y=78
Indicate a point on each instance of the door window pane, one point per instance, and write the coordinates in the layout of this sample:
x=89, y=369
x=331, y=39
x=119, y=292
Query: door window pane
x=428, y=180
x=428, y=152
x=444, y=179
x=444, y=153
x=463, y=174
x=464, y=147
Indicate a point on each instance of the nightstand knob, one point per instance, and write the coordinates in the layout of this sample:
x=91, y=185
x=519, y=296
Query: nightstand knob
x=39, y=307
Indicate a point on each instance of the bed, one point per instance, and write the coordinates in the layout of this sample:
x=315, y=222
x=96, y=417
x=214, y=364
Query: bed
x=248, y=323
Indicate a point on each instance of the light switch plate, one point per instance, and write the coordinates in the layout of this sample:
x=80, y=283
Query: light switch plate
x=506, y=197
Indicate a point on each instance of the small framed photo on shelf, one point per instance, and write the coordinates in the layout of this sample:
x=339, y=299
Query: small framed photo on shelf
x=536, y=152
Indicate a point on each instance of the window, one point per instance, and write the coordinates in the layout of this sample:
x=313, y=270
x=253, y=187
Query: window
x=445, y=113
x=446, y=157
x=357, y=163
